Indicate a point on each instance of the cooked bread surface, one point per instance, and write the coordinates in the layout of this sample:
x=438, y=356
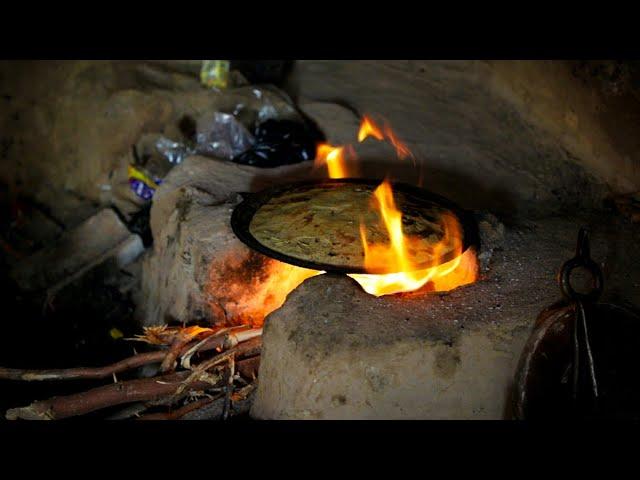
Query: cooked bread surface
x=321, y=224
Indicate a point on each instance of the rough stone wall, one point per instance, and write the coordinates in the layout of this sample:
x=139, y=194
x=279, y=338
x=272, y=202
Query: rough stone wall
x=521, y=135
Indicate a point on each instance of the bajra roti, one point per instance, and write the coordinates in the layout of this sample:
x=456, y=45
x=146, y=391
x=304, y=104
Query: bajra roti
x=321, y=224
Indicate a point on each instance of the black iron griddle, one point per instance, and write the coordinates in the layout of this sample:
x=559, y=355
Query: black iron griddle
x=244, y=212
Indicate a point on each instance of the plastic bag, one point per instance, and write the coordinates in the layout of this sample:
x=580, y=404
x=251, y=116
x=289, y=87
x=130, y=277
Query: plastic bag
x=174, y=152
x=222, y=135
x=282, y=142
x=284, y=137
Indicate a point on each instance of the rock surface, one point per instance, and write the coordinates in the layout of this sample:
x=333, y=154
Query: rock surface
x=334, y=352
x=99, y=237
x=506, y=136
x=198, y=269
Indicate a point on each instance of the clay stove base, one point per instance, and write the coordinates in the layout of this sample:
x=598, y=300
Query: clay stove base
x=334, y=352
x=333, y=358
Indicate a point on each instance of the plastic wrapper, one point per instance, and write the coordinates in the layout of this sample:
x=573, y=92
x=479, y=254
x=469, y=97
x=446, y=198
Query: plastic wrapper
x=141, y=183
x=215, y=73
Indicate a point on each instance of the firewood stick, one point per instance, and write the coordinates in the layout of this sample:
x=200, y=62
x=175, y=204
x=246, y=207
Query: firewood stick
x=210, y=343
x=131, y=410
x=244, y=392
x=138, y=360
x=98, y=398
x=249, y=348
x=213, y=411
x=177, y=347
x=244, y=335
x=242, y=399
x=83, y=372
x=248, y=367
x=179, y=413
x=229, y=388
x=222, y=343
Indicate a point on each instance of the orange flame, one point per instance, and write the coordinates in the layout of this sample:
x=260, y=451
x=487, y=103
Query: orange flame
x=244, y=289
x=401, y=149
x=369, y=129
x=395, y=256
x=334, y=158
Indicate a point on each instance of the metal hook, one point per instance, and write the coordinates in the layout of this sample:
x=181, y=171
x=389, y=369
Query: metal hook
x=581, y=260
x=581, y=341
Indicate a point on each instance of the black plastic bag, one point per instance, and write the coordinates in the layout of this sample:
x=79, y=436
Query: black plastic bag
x=282, y=142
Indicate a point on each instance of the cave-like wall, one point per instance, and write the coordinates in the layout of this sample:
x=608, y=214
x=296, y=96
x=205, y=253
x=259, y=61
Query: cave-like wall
x=527, y=132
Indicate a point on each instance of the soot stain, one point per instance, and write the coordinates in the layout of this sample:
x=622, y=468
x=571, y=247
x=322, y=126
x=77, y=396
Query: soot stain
x=447, y=361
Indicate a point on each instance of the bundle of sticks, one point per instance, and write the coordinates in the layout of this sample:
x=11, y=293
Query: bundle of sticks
x=202, y=373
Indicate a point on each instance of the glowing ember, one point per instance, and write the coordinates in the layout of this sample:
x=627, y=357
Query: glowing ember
x=244, y=290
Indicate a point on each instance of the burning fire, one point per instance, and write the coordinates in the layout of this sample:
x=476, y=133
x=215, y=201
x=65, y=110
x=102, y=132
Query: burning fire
x=395, y=254
x=335, y=158
x=245, y=290
x=369, y=129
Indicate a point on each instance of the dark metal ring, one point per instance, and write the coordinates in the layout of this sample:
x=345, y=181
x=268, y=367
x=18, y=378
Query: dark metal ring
x=596, y=275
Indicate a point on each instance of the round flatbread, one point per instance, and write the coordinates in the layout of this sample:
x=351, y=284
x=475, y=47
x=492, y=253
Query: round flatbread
x=321, y=224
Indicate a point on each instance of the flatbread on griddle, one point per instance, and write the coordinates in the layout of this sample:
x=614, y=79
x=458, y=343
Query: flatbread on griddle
x=321, y=224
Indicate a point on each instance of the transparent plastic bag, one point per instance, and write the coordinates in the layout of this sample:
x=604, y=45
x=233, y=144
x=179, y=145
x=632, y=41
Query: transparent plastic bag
x=222, y=135
x=251, y=105
x=218, y=135
x=226, y=133
x=174, y=152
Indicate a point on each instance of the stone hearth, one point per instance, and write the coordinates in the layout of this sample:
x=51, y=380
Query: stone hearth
x=332, y=351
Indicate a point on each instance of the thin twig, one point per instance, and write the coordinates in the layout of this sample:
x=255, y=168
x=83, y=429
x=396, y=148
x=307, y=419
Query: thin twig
x=82, y=372
x=102, y=397
x=229, y=389
x=214, y=341
x=181, y=412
